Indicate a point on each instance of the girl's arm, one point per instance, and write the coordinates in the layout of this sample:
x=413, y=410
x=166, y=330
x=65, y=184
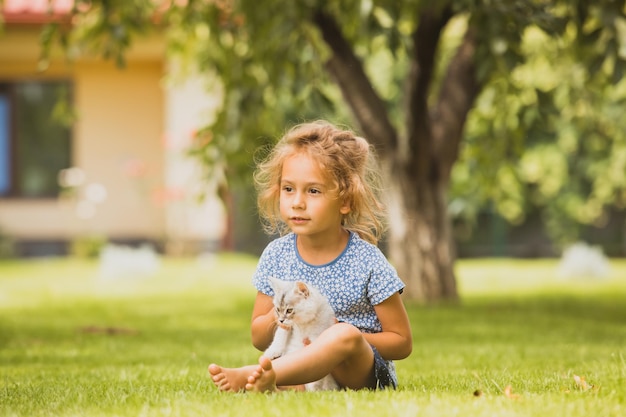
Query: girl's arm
x=395, y=341
x=263, y=321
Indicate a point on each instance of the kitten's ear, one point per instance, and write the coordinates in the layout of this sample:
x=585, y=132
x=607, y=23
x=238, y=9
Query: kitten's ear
x=302, y=289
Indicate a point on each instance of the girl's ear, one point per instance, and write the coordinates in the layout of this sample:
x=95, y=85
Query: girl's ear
x=345, y=207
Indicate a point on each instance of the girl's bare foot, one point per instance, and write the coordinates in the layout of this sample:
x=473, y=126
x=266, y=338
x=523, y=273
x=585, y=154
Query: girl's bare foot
x=231, y=379
x=263, y=378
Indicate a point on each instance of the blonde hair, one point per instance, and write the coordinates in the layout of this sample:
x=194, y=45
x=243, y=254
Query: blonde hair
x=350, y=165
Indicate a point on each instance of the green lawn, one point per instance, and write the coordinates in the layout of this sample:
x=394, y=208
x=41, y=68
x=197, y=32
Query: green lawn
x=74, y=344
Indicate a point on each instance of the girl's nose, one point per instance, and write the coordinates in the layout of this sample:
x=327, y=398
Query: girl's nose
x=298, y=201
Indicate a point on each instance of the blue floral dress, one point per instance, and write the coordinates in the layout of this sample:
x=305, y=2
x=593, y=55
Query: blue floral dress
x=357, y=280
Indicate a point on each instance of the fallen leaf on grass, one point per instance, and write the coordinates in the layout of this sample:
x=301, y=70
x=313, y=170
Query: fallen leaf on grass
x=508, y=392
x=581, y=384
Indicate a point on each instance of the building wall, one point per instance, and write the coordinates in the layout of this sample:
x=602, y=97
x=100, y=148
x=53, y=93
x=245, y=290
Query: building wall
x=192, y=224
x=117, y=142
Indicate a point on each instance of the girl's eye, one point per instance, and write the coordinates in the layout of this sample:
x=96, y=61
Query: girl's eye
x=314, y=191
x=287, y=188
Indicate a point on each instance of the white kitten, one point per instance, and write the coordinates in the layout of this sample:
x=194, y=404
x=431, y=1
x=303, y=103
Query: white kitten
x=302, y=314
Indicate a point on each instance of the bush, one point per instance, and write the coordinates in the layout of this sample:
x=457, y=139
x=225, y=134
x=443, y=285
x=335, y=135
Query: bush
x=87, y=247
x=7, y=246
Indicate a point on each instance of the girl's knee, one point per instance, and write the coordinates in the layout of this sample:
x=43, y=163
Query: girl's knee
x=348, y=336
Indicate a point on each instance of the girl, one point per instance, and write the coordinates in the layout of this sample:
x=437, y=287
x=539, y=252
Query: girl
x=318, y=188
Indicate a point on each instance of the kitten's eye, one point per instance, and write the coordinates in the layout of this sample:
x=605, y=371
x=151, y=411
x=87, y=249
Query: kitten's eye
x=289, y=310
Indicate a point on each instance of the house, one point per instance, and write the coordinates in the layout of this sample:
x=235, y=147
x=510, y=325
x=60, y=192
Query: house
x=91, y=151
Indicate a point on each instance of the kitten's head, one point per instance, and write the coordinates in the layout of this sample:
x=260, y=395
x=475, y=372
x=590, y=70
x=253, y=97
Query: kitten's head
x=294, y=302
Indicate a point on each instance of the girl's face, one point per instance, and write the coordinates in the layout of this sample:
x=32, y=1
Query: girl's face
x=307, y=205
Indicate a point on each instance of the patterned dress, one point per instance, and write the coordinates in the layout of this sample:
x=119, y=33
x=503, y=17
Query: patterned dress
x=357, y=280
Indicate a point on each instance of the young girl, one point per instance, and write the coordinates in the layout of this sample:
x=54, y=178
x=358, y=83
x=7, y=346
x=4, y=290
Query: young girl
x=317, y=188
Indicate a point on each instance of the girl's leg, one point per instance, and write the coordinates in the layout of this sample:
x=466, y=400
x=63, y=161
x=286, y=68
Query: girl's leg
x=341, y=350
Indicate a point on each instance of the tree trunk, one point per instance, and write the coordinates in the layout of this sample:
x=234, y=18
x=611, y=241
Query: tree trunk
x=420, y=241
x=421, y=244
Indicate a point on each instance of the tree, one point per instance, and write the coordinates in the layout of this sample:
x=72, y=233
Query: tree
x=386, y=64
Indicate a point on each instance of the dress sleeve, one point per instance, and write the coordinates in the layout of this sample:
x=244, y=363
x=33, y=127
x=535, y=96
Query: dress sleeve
x=383, y=279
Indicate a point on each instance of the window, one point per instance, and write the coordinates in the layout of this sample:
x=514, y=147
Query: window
x=35, y=137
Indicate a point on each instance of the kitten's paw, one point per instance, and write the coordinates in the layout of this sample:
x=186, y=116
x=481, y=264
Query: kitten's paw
x=272, y=354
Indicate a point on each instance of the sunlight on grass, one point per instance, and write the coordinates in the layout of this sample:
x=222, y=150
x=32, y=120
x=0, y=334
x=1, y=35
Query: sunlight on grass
x=512, y=276
x=36, y=281
x=75, y=343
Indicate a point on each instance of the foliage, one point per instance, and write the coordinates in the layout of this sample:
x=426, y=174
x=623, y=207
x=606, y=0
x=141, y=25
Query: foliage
x=73, y=343
x=561, y=138
x=105, y=28
x=263, y=95
x=7, y=249
x=87, y=246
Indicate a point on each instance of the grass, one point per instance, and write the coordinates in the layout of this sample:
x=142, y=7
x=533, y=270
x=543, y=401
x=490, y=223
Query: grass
x=72, y=343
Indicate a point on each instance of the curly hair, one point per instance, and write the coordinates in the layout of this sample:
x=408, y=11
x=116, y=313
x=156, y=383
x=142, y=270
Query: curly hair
x=350, y=165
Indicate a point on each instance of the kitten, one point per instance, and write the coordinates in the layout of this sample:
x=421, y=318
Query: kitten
x=302, y=314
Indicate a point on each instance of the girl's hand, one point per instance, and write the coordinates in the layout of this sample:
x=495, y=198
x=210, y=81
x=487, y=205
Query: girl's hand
x=264, y=321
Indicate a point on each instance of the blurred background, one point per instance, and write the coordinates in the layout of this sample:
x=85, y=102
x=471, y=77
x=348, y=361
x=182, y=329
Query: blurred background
x=128, y=129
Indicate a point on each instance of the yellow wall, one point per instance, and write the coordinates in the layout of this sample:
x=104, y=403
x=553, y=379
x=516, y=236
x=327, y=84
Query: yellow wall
x=120, y=120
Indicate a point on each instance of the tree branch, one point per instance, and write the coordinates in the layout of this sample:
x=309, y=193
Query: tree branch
x=357, y=90
x=425, y=40
x=456, y=98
